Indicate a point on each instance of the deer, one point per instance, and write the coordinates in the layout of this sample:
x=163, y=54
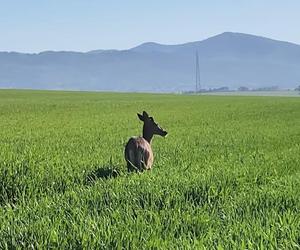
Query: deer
x=138, y=152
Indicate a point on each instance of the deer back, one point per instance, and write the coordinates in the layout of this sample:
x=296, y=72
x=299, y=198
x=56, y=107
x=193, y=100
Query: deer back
x=138, y=154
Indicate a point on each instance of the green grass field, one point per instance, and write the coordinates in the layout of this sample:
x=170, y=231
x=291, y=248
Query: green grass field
x=226, y=177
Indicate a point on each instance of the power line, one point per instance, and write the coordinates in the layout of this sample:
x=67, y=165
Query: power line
x=198, y=83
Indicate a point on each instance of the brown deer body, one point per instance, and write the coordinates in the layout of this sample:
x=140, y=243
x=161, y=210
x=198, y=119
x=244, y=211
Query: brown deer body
x=138, y=151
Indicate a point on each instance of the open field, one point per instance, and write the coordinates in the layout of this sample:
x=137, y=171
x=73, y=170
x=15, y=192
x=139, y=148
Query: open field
x=227, y=176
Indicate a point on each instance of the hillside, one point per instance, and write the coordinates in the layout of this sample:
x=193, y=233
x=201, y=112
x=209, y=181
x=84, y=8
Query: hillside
x=229, y=59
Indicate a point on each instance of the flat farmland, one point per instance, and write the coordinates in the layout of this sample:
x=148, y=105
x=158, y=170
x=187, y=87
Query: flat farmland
x=227, y=176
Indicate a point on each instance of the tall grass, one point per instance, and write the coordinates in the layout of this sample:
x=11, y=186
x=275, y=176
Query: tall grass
x=226, y=177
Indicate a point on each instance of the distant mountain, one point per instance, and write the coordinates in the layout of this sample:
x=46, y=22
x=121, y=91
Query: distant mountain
x=229, y=59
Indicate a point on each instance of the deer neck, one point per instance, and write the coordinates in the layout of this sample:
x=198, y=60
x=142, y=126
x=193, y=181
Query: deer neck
x=147, y=135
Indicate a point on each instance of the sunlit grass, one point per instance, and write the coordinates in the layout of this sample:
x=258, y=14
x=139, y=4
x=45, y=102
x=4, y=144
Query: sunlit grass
x=227, y=175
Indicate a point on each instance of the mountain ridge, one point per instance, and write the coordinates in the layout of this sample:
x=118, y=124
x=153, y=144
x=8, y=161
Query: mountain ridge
x=229, y=59
x=155, y=43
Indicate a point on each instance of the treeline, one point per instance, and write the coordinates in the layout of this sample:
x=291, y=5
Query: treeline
x=241, y=89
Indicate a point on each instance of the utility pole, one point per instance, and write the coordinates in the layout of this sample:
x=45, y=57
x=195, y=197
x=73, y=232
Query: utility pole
x=198, y=84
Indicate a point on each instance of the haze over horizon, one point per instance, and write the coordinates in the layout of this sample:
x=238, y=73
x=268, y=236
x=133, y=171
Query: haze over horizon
x=35, y=26
x=228, y=59
x=153, y=43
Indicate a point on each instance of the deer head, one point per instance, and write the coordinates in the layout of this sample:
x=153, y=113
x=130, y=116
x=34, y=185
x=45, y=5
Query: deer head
x=150, y=127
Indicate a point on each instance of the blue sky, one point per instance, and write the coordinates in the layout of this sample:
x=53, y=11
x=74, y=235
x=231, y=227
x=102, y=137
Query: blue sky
x=83, y=25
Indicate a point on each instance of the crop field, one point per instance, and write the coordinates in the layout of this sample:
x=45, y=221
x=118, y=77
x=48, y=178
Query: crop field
x=227, y=176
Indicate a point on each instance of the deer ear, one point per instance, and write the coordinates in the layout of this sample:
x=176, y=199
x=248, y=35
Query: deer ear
x=145, y=114
x=140, y=117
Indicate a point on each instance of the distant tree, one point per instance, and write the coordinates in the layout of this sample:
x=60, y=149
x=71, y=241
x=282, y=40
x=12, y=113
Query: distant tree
x=222, y=89
x=297, y=88
x=271, y=88
x=242, y=88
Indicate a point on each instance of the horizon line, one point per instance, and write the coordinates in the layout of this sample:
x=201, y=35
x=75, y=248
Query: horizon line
x=140, y=44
